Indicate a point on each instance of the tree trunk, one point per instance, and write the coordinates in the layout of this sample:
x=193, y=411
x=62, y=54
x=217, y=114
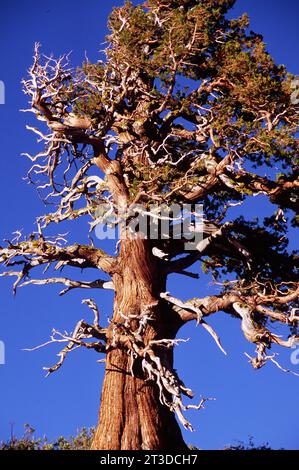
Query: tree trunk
x=131, y=416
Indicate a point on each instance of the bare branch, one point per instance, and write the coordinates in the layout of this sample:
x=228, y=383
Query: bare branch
x=98, y=284
x=183, y=307
x=74, y=341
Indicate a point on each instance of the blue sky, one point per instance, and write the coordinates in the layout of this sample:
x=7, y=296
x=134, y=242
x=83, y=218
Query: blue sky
x=261, y=404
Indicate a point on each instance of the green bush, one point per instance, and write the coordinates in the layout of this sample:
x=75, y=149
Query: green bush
x=28, y=441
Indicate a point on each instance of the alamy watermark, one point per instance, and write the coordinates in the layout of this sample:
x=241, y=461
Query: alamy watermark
x=155, y=222
x=2, y=92
x=295, y=354
x=2, y=353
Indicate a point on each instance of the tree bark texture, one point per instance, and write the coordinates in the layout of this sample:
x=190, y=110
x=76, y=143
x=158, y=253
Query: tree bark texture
x=131, y=416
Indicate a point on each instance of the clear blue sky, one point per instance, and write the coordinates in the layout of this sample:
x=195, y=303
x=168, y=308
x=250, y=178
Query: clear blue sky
x=262, y=404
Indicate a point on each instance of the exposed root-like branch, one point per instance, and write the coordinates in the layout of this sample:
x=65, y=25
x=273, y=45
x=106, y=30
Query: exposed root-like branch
x=171, y=388
x=82, y=332
x=261, y=360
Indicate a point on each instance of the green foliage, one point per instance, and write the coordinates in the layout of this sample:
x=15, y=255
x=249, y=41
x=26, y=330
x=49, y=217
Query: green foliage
x=250, y=445
x=82, y=441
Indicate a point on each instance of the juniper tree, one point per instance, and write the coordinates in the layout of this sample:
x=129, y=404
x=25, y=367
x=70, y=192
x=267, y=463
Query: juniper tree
x=185, y=107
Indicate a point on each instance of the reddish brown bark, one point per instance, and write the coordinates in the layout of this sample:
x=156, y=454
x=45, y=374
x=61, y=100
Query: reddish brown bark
x=131, y=415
